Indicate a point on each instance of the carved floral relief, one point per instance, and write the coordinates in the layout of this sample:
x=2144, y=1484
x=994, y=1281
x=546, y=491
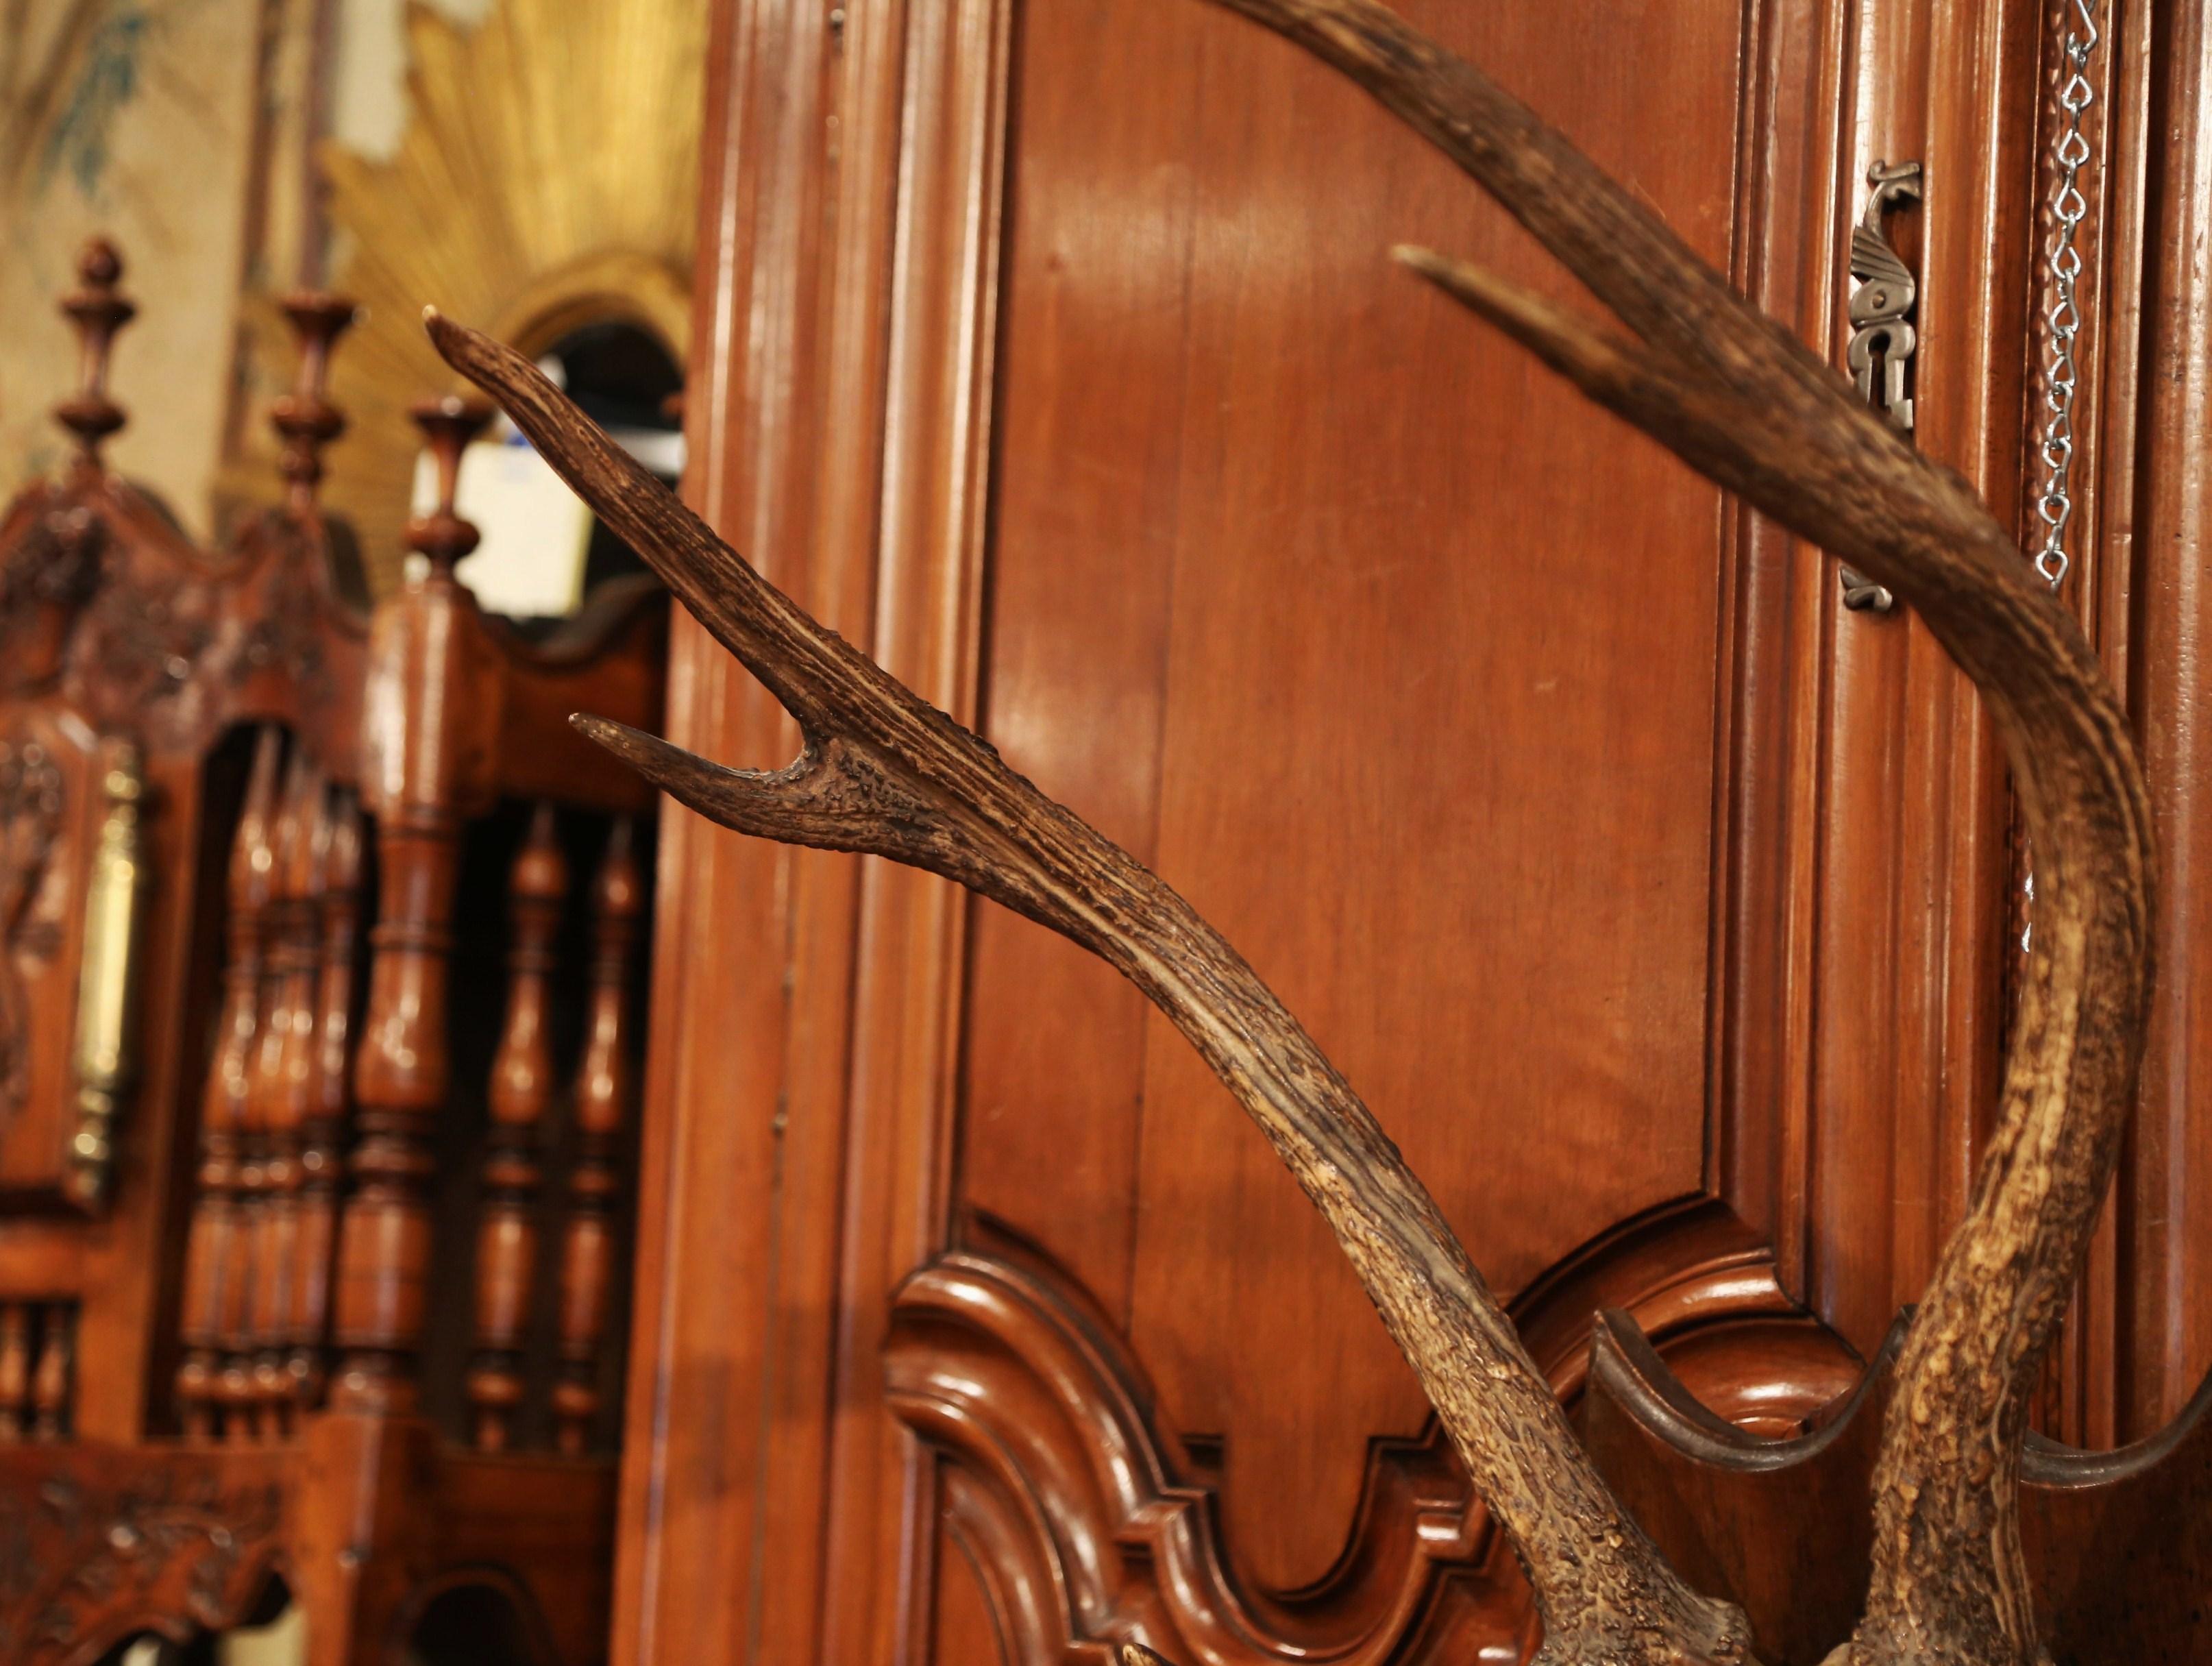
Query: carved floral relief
x=86, y=1558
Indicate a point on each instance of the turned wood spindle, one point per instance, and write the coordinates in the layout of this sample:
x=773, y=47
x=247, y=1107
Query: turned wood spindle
x=99, y=311
x=284, y=1083
x=14, y=1372
x=449, y=425
x=305, y=419
x=604, y=1089
x=521, y=1092
x=323, y=1124
x=243, y=1339
x=214, y=1273
x=401, y=1070
x=55, y=1374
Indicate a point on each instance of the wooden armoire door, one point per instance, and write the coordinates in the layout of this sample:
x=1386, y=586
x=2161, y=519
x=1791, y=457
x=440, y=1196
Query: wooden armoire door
x=1656, y=903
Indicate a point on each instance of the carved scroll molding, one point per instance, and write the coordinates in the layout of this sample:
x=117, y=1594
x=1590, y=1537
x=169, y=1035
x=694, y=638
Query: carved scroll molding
x=2116, y=1541
x=1088, y=1520
x=140, y=647
x=373, y=1527
x=97, y=1545
x=104, y=603
x=293, y=612
x=46, y=578
x=1076, y=1502
x=100, y=590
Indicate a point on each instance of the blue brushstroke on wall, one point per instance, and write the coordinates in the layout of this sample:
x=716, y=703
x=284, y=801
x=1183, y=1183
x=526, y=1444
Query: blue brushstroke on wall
x=79, y=139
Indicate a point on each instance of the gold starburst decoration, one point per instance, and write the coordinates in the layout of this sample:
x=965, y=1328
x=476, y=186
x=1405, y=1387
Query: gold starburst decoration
x=547, y=180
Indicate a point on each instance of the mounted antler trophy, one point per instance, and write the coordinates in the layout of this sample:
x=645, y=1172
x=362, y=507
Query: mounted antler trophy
x=1744, y=404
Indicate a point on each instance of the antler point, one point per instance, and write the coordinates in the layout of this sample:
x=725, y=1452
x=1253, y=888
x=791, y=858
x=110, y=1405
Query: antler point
x=446, y=336
x=633, y=746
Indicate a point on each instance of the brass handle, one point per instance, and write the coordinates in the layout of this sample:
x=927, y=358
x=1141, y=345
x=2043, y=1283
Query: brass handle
x=107, y=1006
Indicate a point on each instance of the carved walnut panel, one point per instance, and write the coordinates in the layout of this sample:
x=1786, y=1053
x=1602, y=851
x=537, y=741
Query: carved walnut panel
x=1299, y=591
x=1067, y=369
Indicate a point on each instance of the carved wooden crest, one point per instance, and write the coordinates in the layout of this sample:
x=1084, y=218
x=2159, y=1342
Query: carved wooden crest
x=96, y=1545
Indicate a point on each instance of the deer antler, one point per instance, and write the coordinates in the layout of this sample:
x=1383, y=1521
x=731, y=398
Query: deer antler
x=885, y=773
x=1744, y=403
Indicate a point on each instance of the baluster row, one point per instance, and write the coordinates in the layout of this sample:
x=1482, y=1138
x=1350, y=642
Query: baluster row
x=214, y=1245
x=521, y=1099
x=38, y=1375
x=522, y=1094
x=259, y=1246
x=323, y=1131
x=265, y=1225
x=604, y=1091
x=282, y=1089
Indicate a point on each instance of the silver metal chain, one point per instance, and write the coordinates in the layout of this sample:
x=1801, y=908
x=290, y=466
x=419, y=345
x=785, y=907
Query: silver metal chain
x=2070, y=208
x=2064, y=321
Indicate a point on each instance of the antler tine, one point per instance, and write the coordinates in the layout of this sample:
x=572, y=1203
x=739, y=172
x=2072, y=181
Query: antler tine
x=99, y=311
x=1747, y=404
x=305, y=419
x=885, y=773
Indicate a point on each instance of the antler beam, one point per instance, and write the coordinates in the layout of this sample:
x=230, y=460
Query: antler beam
x=885, y=773
x=1743, y=402
x=1747, y=405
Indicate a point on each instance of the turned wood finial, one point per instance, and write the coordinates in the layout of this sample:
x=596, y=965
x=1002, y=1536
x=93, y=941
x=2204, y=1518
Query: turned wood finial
x=305, y=418
x=448, y=424
x=97, y=310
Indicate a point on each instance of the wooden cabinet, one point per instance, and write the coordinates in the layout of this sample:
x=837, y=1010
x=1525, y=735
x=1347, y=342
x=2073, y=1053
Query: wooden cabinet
x=1663, y=908
x=316, y=1070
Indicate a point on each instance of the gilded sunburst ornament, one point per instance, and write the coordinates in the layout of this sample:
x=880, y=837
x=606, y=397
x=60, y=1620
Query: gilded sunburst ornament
x=547, y=177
